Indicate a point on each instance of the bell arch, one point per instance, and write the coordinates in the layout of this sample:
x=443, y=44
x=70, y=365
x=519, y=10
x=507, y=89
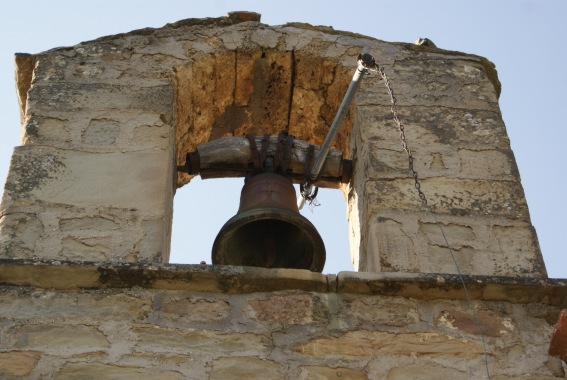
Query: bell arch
x=106, y=123
x=257, y=91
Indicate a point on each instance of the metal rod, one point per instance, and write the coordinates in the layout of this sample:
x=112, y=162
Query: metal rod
x=365, y=61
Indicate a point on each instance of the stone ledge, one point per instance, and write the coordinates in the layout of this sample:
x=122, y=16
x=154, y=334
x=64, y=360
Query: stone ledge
x=58, y=274
x=450, y=286
x=54, y=274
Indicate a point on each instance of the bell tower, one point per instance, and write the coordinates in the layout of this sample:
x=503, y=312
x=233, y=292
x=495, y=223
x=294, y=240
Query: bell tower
x=110, y=115
x=112, y=127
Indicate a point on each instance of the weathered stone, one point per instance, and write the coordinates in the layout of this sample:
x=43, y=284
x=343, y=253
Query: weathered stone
x=18, y=363
x=77, y=308
x=555, y=366
x=61, y=339
x=243, y=367
x=290, y=309
x=156, y=339
x=25, y=64
x=89, y=249
x=87, y=223
x=154, y=240
x=72, y=177
x=151, y=136
x=440, y=81
x=425, y=372
x=88, y=371
x=357, y=344
x=101, y=132
x=371, y=312
x=454, y=197
x=153, y=357
x=518, y=245
x=324, y=373
x=55, y=99
x=46, y=130
x=524, y=377
x=196, y=310
x=19, y=233
x=491, y=324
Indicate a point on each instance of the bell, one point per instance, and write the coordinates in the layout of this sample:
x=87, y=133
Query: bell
x=268, y=230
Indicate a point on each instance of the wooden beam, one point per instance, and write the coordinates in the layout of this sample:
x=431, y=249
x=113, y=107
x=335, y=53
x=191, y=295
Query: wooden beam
x=232, y=157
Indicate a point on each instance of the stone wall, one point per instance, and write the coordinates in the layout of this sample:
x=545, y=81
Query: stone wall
x=80, y=321
x=107, y=121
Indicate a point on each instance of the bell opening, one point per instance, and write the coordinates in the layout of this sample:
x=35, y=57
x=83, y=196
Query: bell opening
x=269, y=239
x=270, y=244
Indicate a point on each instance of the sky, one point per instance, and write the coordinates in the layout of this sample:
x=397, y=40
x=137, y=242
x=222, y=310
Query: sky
x=524, y=38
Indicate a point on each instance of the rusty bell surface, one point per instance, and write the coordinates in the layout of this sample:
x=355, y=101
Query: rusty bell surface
x=268, y=230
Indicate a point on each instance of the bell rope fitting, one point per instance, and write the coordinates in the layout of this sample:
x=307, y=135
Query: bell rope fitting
x=268, y=230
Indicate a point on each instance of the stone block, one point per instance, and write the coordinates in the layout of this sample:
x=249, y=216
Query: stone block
x=288, y=310
x=90, y=223
x=53, y=99
x=138, y=179
x=72, y=307
x=98, y=131
x=363, y=344
x=438, y=80
x=61, y=340
x=154, y=242
x=190, y=310
x=432, y=128
x=86, y=249
x=18, y=363
x=520, y=249
x=238, y=368
x=101, y=132
x=426, y=372
x=375, y=312
x=46, y=131
x=491, y=324
x=325, y=373
x=451, y=196
x=19, y=234
x=156, y=339
x=94, y=371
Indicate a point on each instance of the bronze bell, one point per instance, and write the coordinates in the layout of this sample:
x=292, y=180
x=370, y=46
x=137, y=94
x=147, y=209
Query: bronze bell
x=268, y=230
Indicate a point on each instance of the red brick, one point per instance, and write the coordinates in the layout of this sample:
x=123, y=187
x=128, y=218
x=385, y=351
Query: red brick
x=558, y=344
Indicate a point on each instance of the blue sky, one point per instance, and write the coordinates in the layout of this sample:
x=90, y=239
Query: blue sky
x=524, y=38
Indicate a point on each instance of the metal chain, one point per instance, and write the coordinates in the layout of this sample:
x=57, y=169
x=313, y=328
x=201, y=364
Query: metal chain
x=402, y=134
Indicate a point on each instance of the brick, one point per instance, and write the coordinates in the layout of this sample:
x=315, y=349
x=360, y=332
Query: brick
x=558, y=344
